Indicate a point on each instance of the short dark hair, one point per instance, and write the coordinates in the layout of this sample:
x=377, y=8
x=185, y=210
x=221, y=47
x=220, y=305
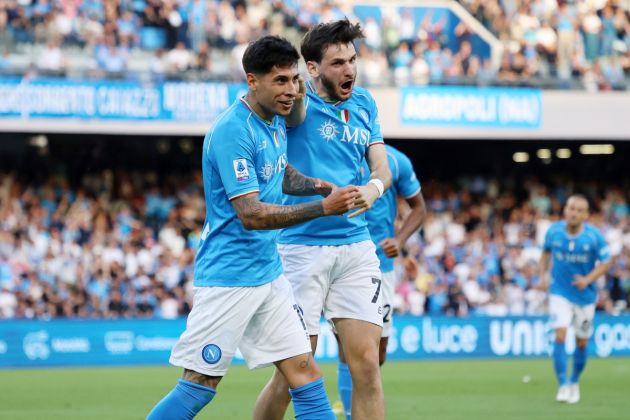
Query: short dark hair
x=323, y=35
x=269, y=51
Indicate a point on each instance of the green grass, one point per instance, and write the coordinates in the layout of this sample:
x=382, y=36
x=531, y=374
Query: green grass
x=485, y=390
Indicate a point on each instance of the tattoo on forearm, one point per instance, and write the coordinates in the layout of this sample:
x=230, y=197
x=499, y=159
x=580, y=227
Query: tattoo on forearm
x=294, y=183
x=255, y=214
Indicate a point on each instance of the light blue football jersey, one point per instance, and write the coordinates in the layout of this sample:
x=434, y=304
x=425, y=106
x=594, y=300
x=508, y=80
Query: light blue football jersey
x=574, y=255
x=242, y=153
x=331, y=144
x=382, y=215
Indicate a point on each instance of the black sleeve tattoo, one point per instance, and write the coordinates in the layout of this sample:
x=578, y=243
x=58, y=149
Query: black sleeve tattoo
x=294, y=183
x=256, y=215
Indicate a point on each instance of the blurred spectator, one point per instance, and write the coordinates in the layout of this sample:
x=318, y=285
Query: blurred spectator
x=179, y=59
x=125, y=248
x=52, y=58
x=560, y=44
x=420, y=70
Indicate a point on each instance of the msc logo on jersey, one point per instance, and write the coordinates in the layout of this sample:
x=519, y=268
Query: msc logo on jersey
x=270, y=169
x=240, y=169
x=211, y=354
x=328, y=130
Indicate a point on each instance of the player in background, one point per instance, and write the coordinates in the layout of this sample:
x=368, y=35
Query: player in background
x=241, y=297
x=381, y=220
x=332, y=265
x=573, y=248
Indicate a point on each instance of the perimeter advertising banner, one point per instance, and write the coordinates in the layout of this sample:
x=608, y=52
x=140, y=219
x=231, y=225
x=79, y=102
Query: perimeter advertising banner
x=135, y=342
x=471, y=107
x=109, y=100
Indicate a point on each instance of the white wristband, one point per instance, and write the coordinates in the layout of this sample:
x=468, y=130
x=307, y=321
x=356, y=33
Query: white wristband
x=379, y=185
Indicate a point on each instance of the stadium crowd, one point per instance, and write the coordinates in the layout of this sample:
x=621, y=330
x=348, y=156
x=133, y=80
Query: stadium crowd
x=122, y=244
x=582, y=43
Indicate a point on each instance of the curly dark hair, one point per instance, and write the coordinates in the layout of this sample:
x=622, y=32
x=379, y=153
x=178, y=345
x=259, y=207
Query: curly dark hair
x=323, y=35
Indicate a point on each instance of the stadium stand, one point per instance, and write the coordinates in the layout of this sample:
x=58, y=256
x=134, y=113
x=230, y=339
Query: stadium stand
x=565, y=44
x=122, y=245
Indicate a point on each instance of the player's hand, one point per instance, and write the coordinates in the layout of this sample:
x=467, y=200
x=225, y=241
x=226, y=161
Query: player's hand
x=543, y=286
x=366, y=197
x=340, y=200
x=390, y=247
x=301, y=89
x=323, y=188
x=580, y=282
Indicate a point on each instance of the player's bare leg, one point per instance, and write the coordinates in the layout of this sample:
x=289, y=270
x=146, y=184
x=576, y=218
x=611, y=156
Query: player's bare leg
x=299, y=370
x=382, y=351
x=274, y=399
x=201, y=379
x=360, y=342
x=382, y=356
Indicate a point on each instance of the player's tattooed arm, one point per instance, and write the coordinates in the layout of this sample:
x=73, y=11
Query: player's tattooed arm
x=295, y=183
x=256, y=215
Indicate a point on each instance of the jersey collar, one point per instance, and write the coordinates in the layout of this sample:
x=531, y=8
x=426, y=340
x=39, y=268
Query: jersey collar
x=249, y=107
x=573, y=235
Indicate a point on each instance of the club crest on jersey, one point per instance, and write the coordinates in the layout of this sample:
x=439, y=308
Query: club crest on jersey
x=240, y=169
x=328, y=130
x=211, y=354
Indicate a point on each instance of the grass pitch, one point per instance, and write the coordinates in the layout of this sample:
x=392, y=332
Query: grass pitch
x=484, y=390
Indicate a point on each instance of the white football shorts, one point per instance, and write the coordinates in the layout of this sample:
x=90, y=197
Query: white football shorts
x=264, y=322
x=340, y=281
x=389, y=284
x=564, y=313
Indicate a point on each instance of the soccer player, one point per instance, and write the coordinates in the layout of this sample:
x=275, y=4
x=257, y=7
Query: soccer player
x=381, y=218
x=241, y=297
x=573, y=247
x=332, y=265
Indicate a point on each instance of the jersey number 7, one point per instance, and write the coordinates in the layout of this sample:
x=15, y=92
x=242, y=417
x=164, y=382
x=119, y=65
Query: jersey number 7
x=378, y=289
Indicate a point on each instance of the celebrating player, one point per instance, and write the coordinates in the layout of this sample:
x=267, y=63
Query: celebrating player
x=381, y=218
x=573, y=247
x=332, y=265
x=241, y=297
